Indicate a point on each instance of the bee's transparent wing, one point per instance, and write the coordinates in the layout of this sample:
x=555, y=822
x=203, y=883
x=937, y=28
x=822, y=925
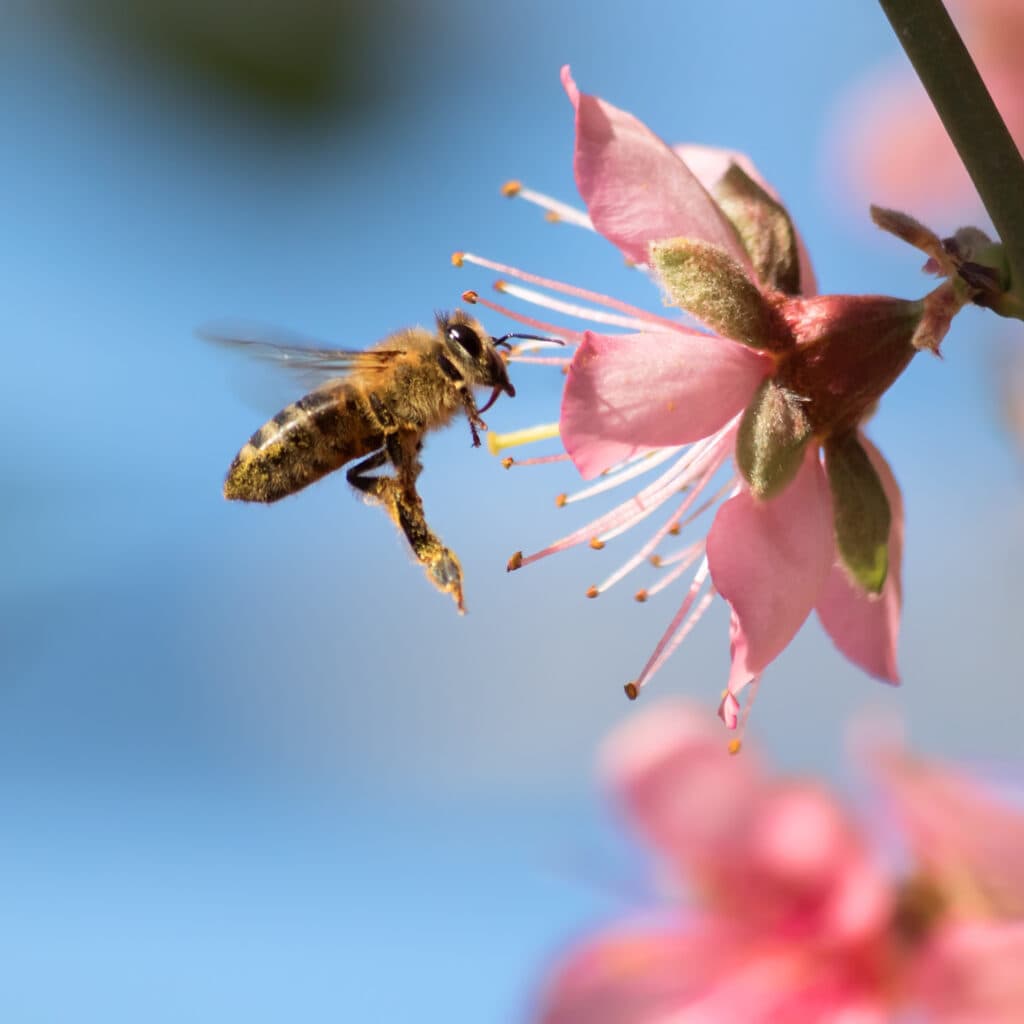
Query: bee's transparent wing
x=310, y=359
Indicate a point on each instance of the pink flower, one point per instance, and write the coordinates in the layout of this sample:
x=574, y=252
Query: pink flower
x=888, y=144
x=787, y=377
x=794, y=918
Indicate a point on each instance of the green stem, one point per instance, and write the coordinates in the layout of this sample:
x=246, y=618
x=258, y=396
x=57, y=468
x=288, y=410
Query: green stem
x=979, y=133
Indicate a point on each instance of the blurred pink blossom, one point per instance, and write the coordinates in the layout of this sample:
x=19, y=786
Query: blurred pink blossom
x=794, y=916
x=668, y=393
x=887, y=144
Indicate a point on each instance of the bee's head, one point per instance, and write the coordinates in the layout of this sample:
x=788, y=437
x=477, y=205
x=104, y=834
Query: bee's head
x=474, y=352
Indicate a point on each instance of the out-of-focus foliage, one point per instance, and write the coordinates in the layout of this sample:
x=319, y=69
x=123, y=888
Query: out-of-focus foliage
x=304, y=56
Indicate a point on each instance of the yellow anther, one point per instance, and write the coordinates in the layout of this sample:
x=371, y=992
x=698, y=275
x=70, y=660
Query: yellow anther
x=592, y=591
x=508, y=461
x=511, y=188
x=596, y=543
x=560, y=500
x=632, y=692
x=458, y=258
x=674, y=530
x=655, y=560
x=515, y=562
x=470, y=296
x=500, y=286
x=735, y=746
x=551, y=217
x=641, y=595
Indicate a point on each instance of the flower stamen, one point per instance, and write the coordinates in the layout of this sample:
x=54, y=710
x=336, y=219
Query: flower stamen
x=642, y=555
x=497, y=442
x=596, y=316
x=556, y=209
x=569, y=337
x=566, y=289
x=623, y=473
x=680, y=626
x=685, y=558
x=537, y=460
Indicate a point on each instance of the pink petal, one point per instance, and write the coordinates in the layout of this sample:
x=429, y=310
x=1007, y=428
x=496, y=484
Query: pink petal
x=708, y=976
x=769, y=560
x=633, y=976
x=636, y=189
x=971, y=974
x=807, y=858
x=865, y=628
x=670, y=767
x=709, y=164
x=959, y=831
x=627, y=393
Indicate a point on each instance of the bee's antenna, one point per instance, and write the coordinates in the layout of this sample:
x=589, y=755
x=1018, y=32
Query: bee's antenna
x=503, y=340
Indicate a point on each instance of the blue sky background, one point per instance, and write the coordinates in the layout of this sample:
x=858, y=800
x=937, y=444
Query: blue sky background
x=251, y=765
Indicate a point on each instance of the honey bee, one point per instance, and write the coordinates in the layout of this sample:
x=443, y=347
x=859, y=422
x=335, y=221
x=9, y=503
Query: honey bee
x=377, y=406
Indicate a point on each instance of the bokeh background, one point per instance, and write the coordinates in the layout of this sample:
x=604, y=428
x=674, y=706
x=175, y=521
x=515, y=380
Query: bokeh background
x=251, y=765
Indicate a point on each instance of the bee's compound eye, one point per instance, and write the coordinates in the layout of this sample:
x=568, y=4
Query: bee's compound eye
x=466, y=338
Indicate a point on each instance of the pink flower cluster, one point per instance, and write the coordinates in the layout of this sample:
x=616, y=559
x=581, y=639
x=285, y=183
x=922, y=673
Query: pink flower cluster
x=795, y=918
x=888, y=144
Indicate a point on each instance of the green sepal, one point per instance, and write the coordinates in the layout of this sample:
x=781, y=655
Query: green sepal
x=707, y=282
x=764, y=227
x=771, y=440
x=861, y=512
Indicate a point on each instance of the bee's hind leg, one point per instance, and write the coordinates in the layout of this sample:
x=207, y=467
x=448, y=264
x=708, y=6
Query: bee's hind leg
x=405, y=509
x=441, y=564
x=371, y=485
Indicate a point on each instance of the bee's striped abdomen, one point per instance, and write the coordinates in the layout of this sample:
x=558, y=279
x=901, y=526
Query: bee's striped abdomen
x=302, y=443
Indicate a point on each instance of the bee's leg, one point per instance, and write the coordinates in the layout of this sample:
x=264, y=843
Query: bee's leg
x=441, y=564
x=372, y=485
x=452, y=372
x=403, y=448
x=405, y=509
